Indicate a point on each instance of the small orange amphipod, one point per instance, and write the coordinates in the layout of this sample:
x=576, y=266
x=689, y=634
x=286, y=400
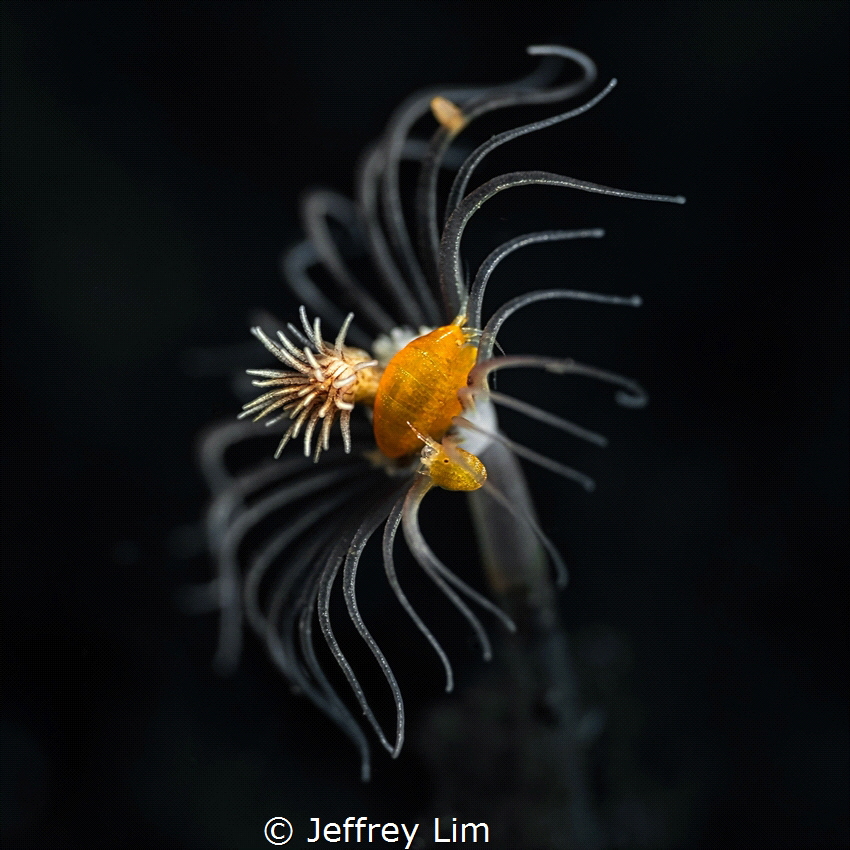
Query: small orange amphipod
x=418, y=389
x=450, y=467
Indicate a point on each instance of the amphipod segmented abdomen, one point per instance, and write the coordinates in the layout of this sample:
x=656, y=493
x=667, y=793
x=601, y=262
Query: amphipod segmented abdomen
x=420, y=387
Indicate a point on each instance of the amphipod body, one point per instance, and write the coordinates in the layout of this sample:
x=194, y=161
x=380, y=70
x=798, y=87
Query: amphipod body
x=449, y=467
x=418, y=389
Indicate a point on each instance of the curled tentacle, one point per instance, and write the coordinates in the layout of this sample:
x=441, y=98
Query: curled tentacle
x=451, y=279
x=482, y=277
x=458, y=189
x=390, y=530
x=440, y=574
x=394, y=140
x=317, y=207
x=323, y=594
x=529, y=454
x=631, y=394
x=458, y=118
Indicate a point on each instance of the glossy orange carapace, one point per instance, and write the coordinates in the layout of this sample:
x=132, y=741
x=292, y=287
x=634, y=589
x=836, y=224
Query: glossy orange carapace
x=420, y=387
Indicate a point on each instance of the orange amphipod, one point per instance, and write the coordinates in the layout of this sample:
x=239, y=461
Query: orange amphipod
x=418, y=389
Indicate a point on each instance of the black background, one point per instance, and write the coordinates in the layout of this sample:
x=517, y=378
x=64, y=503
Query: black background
x=153, y=156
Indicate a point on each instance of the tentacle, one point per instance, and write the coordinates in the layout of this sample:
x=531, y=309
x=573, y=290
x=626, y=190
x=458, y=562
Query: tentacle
x=549, y=418
x=529, y=454
x=214, y=444
x=230, y=634
x=390, y=530
x=369, y=174
x=631, y=394
x=461, y=180
x=316, y=207
x=355, y=550
x=561, y=573
x=306, y=606
x=222, y=593
x=402, y=120
x=392, y=145
x=476, y=292
x=281, y=646
x=324, y=587
x=426, y=195
x=451, y=280
x=488, y=334
x=425, y=558
x=263, y=559
x=439, y=573
x=226, y=504
x=293, y=266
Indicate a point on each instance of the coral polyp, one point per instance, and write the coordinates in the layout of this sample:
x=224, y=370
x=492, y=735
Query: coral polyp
x=317, y=386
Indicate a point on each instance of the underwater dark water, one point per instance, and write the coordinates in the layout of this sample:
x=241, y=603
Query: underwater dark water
x=153, y=157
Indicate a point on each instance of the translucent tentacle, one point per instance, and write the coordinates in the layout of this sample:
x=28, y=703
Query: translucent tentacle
x=213, y=446
x=369, y=174
x=228, y=502
x=426, y=196
x=451, y=279
x=529, y=454
x=265, y=557
x=293, y=266
x=230, y=634
x=400, y=124
x=316, y=207
x=355, y=550
x=402, y=120
x=476, y=292
x=561, y=573
x=631, y=394
x=368, y=177
x=488, y=335
x=549, y=418
x=461, y=180
x=324, y=587
x=439, y=573
x=281, y=647
x=390, y=530
x=305, y=634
